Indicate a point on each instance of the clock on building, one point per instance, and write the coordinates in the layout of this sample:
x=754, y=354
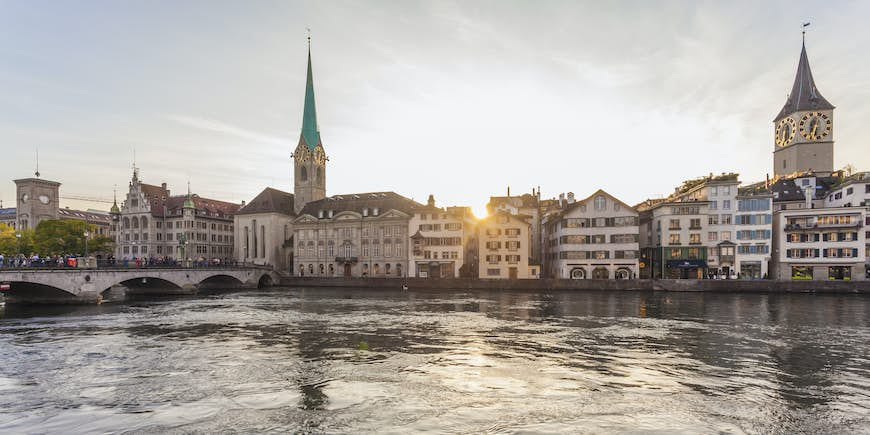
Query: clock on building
x=785, y=132
x=815, y=125
x=25, y=197
x=319, y=156
x=301, y=156
x=44, y=199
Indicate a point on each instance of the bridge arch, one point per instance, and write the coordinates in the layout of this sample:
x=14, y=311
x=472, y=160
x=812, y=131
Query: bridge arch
x=34, y=292
x=220, y=280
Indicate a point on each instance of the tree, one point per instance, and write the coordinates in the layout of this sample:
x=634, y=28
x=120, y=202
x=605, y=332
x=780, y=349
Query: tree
x=9, y=243
x=60, y=237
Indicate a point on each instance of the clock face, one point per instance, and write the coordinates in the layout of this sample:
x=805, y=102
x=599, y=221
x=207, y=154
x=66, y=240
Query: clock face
x=43, y=199
x=301, y=156
x=785, y=132
x=25, y=197
x=815, y=125
x=319, y=156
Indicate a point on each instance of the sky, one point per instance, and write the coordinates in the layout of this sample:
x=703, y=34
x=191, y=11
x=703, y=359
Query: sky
x=460, y=99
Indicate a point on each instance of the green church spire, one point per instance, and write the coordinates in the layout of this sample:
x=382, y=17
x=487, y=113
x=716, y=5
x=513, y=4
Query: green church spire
x=310, y=131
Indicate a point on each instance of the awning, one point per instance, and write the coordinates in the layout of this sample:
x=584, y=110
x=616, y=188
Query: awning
x=686, y=264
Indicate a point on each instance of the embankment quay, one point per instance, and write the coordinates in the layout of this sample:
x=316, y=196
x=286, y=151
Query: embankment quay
x=677, y=285
x=84, y=286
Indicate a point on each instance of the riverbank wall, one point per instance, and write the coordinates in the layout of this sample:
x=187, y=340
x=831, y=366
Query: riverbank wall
x=687, y=285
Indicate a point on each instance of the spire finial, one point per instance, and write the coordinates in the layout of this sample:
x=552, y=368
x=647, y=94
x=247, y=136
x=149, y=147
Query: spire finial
x=804, y=32
x=308, y=29
x=37, y=163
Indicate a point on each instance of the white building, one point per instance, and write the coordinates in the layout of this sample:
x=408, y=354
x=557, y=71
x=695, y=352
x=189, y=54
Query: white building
x=504, y=247
x=820, y=244
x=442, y=241
x=595, y=238
x=264, y=230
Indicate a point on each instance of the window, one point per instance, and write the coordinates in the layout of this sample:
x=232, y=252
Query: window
x=674, y=224
x=674, y=239
x=695, y=239
x=726, y=204
x=713, y=219
x=695, y=224
x=600, y=203
x=712, y=236
x=725, y=219
x=713, y=191
x=493, y=272
x=725, y=235
x=726, y=190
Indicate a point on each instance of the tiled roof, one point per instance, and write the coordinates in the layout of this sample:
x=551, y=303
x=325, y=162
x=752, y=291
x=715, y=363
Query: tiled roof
x=84, y=215
x=270, y=201
x=356, y=202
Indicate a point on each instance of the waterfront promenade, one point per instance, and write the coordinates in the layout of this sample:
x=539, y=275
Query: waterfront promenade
x=679, y=285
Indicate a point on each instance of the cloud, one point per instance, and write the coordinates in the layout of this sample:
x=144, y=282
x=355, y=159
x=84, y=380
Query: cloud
x=215, y=126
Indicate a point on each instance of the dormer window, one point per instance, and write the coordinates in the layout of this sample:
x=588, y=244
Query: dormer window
x=375, y=211
x=365, y=212
x=320, y=214
x=331, y=213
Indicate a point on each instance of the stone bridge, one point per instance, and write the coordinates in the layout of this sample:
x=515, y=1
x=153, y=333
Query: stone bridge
x=88, y=285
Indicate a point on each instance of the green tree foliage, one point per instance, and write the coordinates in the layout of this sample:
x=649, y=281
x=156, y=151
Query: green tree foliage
x=60, y=237
x=9, y=241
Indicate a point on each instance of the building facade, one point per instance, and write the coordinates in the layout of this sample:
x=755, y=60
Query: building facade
x=595, y=238
x=753, y=234
x=355, y=235
x=820, y=244
x=504, y=247
x=672, y=244
x=440, y=240
x=151, y=223
x=264, y=230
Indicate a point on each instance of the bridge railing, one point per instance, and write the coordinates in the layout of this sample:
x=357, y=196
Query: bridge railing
x=81, y=263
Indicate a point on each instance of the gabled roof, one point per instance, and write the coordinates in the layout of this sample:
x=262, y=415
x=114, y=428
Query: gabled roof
x=590, y=198
x=356, y=202
x=270, y=201
x=804, y=93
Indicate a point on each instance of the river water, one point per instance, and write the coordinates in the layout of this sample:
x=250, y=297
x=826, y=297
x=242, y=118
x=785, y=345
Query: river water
x=340, y=361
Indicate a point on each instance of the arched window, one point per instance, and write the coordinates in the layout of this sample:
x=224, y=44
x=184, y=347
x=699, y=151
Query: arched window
x=600, y=203
x=144, y=222
x=303, y=174
x=126, y=223
x=398, y=270
x=387, y=268
x=377, y=269
x=135, y=222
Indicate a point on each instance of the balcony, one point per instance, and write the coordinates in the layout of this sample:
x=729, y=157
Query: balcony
x=675, y=228
x=346, y=259
x=695, y=227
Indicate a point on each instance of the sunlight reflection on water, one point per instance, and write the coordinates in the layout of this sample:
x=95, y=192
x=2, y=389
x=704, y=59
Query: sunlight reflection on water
x=292, y=360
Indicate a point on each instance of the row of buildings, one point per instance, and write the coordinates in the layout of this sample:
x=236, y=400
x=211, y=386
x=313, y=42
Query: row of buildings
x=807, y=222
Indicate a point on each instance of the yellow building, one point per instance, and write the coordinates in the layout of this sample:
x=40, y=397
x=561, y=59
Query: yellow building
x=504, y=246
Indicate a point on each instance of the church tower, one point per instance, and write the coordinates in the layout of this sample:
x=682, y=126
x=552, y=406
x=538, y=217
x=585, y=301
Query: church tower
x=309, y=168
x=804, y=128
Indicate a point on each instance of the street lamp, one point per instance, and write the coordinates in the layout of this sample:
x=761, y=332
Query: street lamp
x=18, y=239
x=86, y=234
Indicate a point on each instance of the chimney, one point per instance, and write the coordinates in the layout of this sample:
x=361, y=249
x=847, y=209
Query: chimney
x=509, y=192
x=767, y=180
x=561, y=200
x=243, y=203
x=163, y=186
x=431, y=201
x=570, y=197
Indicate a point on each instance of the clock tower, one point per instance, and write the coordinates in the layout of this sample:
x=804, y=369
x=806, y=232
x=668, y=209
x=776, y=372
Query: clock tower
x=804, y=128
x=309, y=158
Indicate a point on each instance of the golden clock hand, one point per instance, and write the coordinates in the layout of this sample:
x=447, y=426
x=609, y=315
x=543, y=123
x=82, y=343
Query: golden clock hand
x=813, y=131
